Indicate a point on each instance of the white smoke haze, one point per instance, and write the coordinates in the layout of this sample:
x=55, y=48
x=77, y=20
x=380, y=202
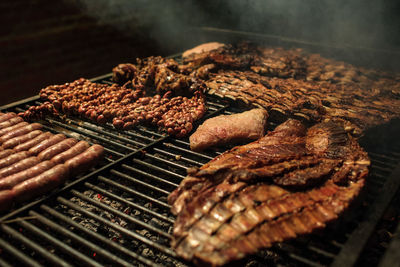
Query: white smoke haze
x=170, y=23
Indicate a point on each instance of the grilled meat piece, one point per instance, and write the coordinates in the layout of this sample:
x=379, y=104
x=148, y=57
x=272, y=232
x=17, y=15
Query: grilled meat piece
x=225, y=129
x=123, y=73
x=353, y=107
x=203, y=48
x=25, y=173
x=288, y=183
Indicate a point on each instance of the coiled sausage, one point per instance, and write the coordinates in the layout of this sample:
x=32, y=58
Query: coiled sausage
x=7, y=116
x=20, y=131
x=19, y=166
x=13, y=158
x=12, y=127
x=27, y=145
x=85, y=160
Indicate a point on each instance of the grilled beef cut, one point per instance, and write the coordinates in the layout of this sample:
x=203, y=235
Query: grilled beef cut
x=354, y=107
x=288, y=183
x=225, y=129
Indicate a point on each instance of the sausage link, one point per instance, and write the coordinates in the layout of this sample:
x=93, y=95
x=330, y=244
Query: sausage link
x=19, y=166
x=6, y=199
x=21, y=139
x=20, y=131
x=13, y=127
x=13, y=158
x=85, y=160
x=7, y=116
x=41, y=183
x=16, y=178
x=58, y=148
x=6, y=153
x=77, y=149
x=46, y=143
x=27, y=145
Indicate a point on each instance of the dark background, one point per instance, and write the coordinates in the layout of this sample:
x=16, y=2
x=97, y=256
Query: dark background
x=52, y=42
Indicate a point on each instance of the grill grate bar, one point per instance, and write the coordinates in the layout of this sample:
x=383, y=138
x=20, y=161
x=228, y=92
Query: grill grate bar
x=151, y=166
x=149, y=175
x=150, y=132
x=169, y=145
x=97, y=236
x=118, y=228
x=57, y=243
x=132, y=191
x=4, y=264
x=34, y=246
x=18, y=254
x=127, y=202
x=179, y=166
x=305, y=260
x=104, y=253
x=120, y=214
x=94, y=136
x=176, y=156
x=98, y=129
x=128, y=177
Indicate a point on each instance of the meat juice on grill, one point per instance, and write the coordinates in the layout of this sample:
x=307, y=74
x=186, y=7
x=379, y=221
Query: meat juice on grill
x=288, y=183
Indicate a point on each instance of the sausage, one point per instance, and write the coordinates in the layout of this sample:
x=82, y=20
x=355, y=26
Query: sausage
x=6, y=153
x=41, y=183
x=85, y=160
x=21, y=139
x=7, y=116
x=58, y=148
x=46, y=143
x=19, y=166
x=12, y=127
x=16, y=178
x=27, y=145
x=77, y=149
x=13, y=158
x=6, y=199
x=20, y=131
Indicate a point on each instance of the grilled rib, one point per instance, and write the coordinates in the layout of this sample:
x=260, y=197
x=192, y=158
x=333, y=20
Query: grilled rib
x=288, y=183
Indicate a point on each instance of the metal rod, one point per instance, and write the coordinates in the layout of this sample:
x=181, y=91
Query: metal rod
x=149, y=175
x=18, y=254
x=174, y=164
x=120, y=214
x=96, y=236
x=178, y=156
x=130, y=190
x=127, y=202
x=33, y=245
x=137, y=181
x=118, y=227
x=169, y=145
x=151, y=166
x=70, y=235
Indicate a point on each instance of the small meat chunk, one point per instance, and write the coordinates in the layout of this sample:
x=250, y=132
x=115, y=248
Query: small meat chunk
x=225, y=129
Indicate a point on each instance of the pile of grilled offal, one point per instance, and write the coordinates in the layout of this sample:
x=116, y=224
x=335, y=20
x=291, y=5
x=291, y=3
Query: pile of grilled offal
x=283, y=183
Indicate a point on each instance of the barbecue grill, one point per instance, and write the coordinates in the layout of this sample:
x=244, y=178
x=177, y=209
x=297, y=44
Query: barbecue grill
x=117, y=214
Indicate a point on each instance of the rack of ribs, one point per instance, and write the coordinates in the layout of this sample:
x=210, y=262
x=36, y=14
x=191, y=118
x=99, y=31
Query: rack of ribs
x=288, y=183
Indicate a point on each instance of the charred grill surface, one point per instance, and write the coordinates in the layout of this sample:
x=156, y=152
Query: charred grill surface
x=288, y=183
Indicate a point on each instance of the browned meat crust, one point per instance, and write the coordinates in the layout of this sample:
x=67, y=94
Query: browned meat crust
x=288, y=183
x=29, y=169
x=225, y=129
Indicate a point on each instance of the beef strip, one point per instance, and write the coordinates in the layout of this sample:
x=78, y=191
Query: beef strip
x=225, y=129
x=288, y=183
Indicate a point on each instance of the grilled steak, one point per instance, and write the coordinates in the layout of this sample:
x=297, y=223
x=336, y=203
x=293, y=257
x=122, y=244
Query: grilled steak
x=225, y=129
x=288, y=183
x=354, y=107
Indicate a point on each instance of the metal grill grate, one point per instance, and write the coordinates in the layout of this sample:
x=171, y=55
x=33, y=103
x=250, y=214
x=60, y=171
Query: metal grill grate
x=118, y=214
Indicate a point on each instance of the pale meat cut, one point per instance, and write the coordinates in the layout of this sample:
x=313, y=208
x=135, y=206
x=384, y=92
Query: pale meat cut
x=288, y=183
x=225, y=129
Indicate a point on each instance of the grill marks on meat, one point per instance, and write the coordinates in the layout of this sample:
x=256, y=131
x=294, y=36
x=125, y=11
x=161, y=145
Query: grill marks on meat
x=225, y=129
x=354, y=107
x=33, y=162
x=226, y=211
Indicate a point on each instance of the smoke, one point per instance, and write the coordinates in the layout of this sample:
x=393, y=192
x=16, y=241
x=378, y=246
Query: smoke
x=357, y=23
